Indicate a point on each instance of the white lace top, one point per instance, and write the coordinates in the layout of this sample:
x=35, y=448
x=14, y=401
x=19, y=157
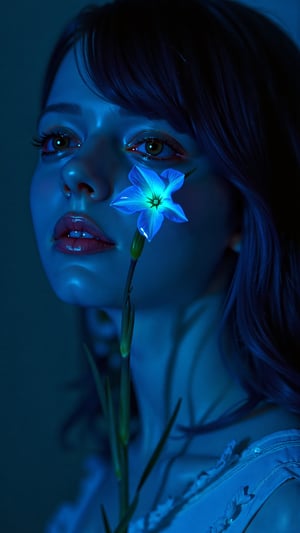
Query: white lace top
x=222, y=498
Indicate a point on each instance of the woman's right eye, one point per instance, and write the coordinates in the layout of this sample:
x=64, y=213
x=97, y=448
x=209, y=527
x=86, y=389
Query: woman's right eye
x=56, y=142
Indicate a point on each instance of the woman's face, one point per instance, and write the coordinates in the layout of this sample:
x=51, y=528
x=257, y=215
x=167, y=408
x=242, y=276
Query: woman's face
x=88, y=147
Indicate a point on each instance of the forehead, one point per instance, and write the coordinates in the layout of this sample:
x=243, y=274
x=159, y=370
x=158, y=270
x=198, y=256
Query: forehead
x=72, y=82
x=71, y=94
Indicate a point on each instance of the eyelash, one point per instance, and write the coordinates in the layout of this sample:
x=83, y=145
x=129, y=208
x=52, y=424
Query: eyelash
x=173, y=145
x=41, y=141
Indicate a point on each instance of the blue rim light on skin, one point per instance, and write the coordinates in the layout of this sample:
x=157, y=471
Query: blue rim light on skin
x=151, y=195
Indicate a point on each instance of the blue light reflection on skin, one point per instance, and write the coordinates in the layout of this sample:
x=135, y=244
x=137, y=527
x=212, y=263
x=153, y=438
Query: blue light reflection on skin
x=187, y=254
x=183, y=263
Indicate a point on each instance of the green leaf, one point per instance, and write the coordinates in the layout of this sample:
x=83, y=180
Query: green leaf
x=113, y=435
x=98, y=380
x=105, y=520
x=124, y=523
x=189, y=172
x=158, y=449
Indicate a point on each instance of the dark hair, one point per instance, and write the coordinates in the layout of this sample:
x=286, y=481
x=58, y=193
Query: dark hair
x=227, y=75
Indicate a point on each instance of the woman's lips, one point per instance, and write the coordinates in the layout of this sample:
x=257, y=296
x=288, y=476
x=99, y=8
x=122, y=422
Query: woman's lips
x=79, y=234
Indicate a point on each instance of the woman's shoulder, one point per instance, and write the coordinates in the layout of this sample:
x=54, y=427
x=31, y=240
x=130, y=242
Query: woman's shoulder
x=280, y=440
x=282, y=510
x=253, y=486
x=242, y=481
x=260, y=487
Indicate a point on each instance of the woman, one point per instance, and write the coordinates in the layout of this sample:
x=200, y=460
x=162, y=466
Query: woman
x=209, y=89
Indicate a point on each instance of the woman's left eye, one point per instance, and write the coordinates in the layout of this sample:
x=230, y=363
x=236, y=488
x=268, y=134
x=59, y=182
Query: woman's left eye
x=156, y=148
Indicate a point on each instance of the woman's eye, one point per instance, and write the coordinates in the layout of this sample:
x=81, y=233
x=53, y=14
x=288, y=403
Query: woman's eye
x=56, y=142
x=156, y=148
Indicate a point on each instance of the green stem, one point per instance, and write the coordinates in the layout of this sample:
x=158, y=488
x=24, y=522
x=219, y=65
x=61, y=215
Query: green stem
x=128, y=288
x=105, y=520
x=124, y=484
x=113, y=432
x=124, y=398
x=124, y=407
x=127, y=314
x=124, y=401
x=124, y=429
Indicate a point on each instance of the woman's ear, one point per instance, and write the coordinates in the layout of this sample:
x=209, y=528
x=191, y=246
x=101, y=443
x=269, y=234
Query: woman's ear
x=235, y=242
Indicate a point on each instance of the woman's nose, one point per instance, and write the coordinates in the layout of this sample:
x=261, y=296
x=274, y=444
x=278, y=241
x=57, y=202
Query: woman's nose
x=89, y=173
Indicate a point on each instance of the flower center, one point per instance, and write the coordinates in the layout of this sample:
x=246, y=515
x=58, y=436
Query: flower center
x=155, y=201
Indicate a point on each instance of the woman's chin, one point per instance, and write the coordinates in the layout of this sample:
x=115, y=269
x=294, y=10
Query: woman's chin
x=84, y=286
x=75, y=293
x=73, y=296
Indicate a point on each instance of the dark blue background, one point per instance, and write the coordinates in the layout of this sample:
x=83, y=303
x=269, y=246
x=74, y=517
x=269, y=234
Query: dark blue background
x=38, y=342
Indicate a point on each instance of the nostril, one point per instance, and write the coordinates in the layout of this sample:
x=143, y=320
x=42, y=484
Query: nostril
x=66, y=191
x=94, y=191
x=85, y=187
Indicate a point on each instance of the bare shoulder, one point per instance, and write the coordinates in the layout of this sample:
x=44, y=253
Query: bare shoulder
x=282, y=510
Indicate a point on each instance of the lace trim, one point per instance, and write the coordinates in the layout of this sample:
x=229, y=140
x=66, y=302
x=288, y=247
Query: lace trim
x=164, y=513
x=66, y=519
x=232, y=511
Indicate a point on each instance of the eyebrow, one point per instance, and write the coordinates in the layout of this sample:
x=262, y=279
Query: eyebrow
x=62, y=107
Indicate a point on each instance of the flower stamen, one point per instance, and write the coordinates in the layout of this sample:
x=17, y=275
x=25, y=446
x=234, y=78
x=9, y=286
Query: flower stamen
x=155, y=201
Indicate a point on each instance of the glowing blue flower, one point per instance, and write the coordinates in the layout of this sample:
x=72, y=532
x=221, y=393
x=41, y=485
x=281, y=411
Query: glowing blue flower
x=151, y=196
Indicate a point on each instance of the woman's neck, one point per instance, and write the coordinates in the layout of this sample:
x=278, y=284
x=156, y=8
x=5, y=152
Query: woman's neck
x=175, y=354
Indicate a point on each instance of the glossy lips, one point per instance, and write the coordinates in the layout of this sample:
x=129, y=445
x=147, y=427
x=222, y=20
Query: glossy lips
x=78, y=234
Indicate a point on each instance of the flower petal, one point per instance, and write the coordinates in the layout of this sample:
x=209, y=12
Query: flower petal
x=130, y=200
x=175, y=179
x=149, y=223
x=147, y=180
x=173, y=211
x=151, y=195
